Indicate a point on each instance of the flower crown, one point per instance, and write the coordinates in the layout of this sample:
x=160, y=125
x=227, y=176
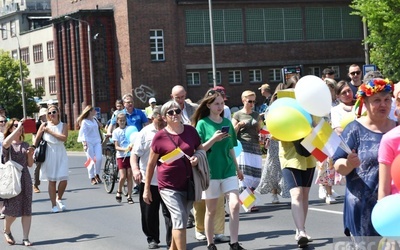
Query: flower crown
x=374, y=86
x=370, y=88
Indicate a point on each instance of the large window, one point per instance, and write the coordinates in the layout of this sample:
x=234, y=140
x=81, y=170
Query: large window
x=235, y=76
x=217, y=77
x=13, y=28
x=25, y=55
x=193, y=78
x=337, y=71
x=227, y=24
x=316, y=71
x=50, y=50
x=324, y=23
x=37, y=53
x=255, y=75
x=274, y=24
x=39, y=82
x=157, y=45
x=52, y=85
x=274, y=75
x=4, y=31
x=14, y=54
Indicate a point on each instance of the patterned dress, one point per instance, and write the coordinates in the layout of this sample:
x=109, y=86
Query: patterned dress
x=20, y=205
x=362, y=182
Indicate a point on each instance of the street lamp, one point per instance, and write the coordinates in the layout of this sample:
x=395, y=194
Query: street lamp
x=21, y=76
x=214, y=71
x=90, y=57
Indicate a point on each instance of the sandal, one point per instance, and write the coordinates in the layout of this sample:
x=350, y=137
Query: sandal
x=130, y=200
x=9, y=238
x=118, y=198
x=26, y=242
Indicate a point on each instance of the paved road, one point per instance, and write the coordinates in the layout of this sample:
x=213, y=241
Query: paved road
x=94, y=220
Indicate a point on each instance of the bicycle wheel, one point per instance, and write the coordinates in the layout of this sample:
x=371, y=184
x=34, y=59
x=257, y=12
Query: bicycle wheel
x=109, y=175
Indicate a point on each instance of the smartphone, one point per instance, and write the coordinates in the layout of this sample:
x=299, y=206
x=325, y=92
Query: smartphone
x=225, y=129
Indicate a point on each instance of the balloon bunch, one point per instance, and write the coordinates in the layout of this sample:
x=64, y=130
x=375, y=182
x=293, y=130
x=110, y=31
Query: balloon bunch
x=385, y=216
x=290, y=119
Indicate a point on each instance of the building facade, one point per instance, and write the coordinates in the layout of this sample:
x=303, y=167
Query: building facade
x=147, y=47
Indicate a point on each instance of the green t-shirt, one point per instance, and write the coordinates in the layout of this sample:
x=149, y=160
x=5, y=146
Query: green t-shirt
x=219, y=157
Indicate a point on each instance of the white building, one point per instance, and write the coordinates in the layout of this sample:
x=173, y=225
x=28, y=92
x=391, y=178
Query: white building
x=25, y=23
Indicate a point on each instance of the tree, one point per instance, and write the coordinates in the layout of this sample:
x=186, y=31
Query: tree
x=383, y=21
x=10, y=87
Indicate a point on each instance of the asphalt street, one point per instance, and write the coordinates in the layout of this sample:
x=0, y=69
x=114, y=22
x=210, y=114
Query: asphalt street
x=94, y=220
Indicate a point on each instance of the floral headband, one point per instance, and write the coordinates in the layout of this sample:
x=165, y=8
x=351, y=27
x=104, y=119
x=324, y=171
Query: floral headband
x=370, y=88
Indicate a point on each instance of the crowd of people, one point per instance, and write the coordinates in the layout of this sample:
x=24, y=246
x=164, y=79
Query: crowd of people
x=172, y=139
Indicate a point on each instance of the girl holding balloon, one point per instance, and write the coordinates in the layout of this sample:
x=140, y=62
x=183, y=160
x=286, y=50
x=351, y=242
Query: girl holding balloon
x=123, y=146
x=90, y=137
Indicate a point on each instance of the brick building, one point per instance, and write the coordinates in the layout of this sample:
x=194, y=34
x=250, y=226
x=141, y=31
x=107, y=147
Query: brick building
x=145, y=47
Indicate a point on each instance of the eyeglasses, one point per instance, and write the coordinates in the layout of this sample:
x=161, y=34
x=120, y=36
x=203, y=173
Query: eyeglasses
x=251, y=101
x=355, y=72
x=171, y=112
x=52, y=112
x=3, y=121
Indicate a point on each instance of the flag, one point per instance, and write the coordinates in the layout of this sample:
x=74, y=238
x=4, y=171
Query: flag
x=322, y=142
x=89, y=162
x=172, y=156
x=247, y=199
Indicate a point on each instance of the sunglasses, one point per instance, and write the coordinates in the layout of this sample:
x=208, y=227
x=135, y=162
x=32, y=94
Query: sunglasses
x=355, y=73
x=3, y=121
x=251, y=101
x=15, y=125
x=212, y=92
x=171, y=112
x=52, y=112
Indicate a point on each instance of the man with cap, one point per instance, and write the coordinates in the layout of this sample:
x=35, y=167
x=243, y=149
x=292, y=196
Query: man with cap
x=328, y=73
x=227, y=110
x=266, y=92
x=41, y=119
x=149, y=110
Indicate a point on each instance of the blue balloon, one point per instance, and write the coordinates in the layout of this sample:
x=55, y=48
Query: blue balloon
x=293, y=103
x=129, y=130
x=385, y=216
x=238, y=149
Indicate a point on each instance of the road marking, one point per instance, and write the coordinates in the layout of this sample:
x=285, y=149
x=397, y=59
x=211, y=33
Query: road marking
x=325, y=211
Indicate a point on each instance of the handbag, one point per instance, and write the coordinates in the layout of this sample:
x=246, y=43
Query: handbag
x=300, y=149
x=40, y=151
x=10, y=179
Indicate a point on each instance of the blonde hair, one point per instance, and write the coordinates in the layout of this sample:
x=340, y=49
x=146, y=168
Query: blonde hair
x=52, y=106
x=85, y=113
x=248, y=93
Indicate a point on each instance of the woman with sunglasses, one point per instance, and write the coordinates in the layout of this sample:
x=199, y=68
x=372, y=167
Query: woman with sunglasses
x=247, y=126
x=55, y=168
x=16, y=149
x=224, y=170
x=173, y=175
x=90, y=137
x=3, y=121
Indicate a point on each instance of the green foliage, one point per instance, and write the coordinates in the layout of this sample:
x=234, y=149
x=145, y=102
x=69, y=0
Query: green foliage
x=383, y=20
x=10, y=87
x=71, y=144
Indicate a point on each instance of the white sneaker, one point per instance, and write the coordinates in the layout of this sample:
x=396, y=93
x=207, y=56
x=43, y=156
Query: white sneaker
x=200, y=236
x=61, y=205
x=335, y=195
x=330, y=200
x=275, y=199
x=54, y=209
x=321, y=192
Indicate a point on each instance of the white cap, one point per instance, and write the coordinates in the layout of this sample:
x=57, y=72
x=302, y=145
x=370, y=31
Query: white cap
x=151, y=100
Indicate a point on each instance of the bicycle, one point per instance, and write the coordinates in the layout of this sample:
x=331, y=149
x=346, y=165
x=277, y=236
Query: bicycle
x=110, y=170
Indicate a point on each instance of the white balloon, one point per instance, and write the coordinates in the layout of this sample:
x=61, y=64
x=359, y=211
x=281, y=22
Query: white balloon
x=313, y=95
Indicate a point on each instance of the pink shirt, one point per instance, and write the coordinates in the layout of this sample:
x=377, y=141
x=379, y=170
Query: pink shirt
x=388, y=150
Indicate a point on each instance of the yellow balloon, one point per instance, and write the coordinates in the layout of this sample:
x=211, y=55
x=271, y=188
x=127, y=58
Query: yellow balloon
x=287, y=124
x=346, y=119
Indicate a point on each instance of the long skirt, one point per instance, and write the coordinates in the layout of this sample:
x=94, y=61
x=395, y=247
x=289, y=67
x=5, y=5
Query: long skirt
x=250, y=162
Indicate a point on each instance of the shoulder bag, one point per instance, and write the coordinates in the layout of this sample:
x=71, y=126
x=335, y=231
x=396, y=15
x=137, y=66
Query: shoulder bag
x=40, y=151
x=10, y=178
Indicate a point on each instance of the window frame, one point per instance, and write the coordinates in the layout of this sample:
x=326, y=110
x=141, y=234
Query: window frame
x=253, y=75
x=217, y=75
x=155, y=50
x=37, y=53
x=233, y=77
x=191, y=74
x=50, y=50
x=52, y=85
x=276, y=73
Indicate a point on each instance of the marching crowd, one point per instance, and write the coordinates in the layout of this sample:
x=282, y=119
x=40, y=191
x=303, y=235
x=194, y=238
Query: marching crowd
x=180, y=144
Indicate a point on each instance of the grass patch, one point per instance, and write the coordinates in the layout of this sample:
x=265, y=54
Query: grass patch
x=71, y=144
